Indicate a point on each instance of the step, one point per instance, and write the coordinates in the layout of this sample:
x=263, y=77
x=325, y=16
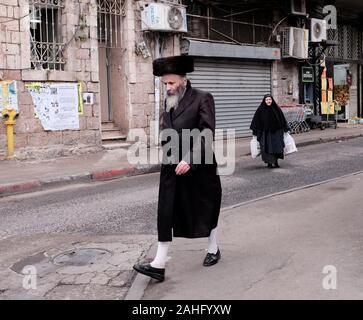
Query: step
x=113, y=135
x=110, y=145
x=110, y=129
x=108, y=125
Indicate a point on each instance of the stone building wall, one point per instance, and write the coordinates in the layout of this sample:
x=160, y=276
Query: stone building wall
x=285, y=82
x=139, y=92
x=81, y=54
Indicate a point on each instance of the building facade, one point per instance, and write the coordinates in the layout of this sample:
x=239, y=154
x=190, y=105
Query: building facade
x=49, y=42
x=105, y=48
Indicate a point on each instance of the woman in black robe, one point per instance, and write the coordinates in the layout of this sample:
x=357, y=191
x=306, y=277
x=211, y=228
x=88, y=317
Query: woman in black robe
x=269, y=125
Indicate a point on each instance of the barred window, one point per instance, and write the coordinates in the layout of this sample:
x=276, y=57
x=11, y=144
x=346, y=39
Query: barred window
x=109, y=22
x=349, y=46
x=228, y=24
x=45, y=34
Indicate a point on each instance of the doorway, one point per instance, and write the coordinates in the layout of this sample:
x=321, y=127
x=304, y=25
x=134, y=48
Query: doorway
x=109, y=19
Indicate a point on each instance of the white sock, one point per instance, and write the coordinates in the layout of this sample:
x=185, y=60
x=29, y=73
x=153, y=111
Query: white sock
x=212, y=241
x=161, y=255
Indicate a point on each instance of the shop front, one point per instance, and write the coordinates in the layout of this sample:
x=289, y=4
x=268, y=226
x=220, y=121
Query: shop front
x=344, y=92
x=237, y=76
x=344, y=64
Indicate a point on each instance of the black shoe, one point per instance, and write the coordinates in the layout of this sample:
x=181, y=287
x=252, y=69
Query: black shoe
x=148, y=270
x=276, y=165
x=211, y=258
x=270, y=166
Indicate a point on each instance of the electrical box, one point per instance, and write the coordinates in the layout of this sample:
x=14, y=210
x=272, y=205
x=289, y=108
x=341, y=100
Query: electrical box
x=88, y=97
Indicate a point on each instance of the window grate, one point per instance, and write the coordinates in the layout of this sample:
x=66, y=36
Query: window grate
x=46, y=47
x=349, y=46
x=109, y=22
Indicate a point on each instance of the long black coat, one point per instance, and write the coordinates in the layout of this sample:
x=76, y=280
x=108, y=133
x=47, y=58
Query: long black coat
x=269, y=125
x=189, y=204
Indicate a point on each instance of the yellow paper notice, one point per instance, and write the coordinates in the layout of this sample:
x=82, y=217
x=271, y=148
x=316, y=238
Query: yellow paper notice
x=330, y=96
x=323, y=84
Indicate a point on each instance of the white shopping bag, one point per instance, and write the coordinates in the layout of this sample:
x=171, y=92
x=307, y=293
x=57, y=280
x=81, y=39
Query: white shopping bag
x=290, y=145
x=255, y=147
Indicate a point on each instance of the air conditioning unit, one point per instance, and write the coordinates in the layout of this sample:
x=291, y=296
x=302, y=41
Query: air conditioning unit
x=318, y=30
x=295, y=43
x=298, y=7
x=163, y=17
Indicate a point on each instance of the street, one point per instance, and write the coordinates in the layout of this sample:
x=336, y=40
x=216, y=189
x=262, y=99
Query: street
x=128, y=205
x=99, y=230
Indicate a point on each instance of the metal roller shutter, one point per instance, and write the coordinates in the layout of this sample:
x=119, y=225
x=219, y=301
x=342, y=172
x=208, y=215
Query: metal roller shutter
x=238, y=88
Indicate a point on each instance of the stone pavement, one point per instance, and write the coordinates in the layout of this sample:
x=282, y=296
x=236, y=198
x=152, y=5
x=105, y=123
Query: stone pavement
x=68, y=266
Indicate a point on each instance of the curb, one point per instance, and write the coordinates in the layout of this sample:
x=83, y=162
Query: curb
x=105, y=175
x=19, y=187
x=271, y=195
x=327, y=140
x=141, y=282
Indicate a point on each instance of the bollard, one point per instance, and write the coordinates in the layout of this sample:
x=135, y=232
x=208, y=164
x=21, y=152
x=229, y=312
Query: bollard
x=9, y=117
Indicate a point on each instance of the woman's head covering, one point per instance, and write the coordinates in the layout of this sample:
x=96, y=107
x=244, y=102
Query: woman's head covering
x=180, y=65
x=268, y=118
x=263, y=103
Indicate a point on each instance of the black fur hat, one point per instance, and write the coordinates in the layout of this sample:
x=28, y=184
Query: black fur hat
x=180, y=65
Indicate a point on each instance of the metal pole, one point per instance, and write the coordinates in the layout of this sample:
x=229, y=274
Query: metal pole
x=317, y=89
x=109, y=84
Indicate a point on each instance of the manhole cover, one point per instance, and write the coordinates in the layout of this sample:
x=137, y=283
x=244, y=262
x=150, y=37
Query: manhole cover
x=81, y=257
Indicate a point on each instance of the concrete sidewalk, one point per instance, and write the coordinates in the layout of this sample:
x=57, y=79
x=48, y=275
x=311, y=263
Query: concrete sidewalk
x=279, y=247
x=19, y=177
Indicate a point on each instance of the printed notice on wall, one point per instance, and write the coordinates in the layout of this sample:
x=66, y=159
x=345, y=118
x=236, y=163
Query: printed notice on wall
x=8, y=95
x=56, y=104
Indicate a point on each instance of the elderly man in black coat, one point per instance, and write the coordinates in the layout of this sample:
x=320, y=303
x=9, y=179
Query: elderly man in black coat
x=190, y=188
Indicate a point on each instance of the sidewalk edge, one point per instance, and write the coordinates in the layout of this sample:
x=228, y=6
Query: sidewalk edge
x=140, y=283
x=102, y=175
x=312, y=185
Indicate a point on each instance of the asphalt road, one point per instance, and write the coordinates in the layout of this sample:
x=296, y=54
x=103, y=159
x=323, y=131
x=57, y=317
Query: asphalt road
x=128, y=205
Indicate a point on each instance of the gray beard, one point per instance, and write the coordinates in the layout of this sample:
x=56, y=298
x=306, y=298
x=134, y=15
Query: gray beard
x=173, y=101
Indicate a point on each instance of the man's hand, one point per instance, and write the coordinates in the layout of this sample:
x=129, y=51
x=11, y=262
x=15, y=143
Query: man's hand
x=182, y=168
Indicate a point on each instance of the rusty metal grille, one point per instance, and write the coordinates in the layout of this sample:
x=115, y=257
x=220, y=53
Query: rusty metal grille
x=109, y=17
x=349, y=46
x=45, y=28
